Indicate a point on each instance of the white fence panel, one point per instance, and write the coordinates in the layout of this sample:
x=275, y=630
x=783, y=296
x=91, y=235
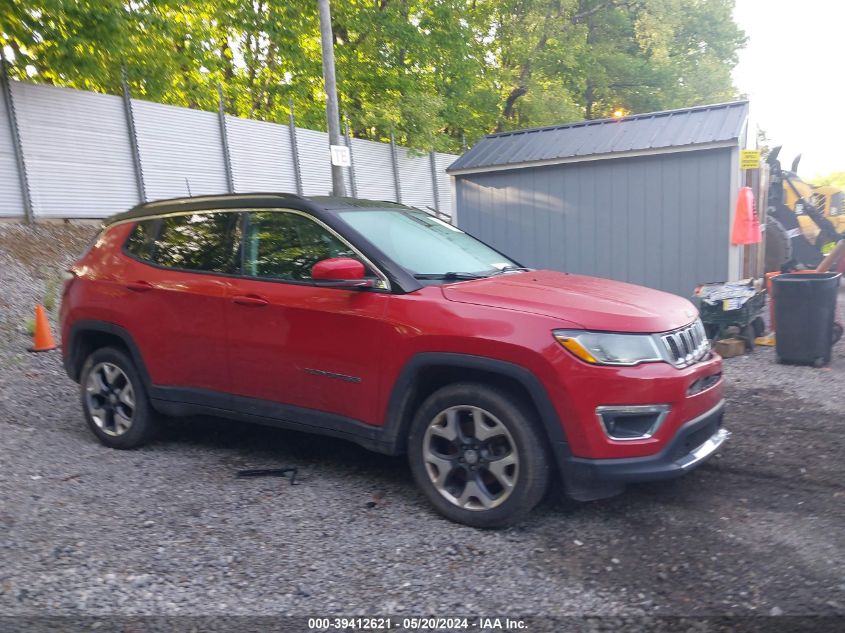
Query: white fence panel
x=79, y=159
x=11, y=200
x=373, y=170
x=415, y=179
x=444, y=183
x=261, y=156
x=178, y=144
x=77, y=152
x=315, y=162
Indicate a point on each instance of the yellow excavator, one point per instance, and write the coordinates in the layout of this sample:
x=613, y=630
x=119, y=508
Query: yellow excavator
x=804, y=222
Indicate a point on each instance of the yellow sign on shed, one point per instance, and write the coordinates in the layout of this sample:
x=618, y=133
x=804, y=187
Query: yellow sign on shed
x=749, y=159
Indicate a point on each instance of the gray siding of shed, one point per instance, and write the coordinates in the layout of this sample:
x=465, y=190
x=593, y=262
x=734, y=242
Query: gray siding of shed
x=661, y=221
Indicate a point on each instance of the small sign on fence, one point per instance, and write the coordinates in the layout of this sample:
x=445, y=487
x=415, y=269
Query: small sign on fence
x=340, y=156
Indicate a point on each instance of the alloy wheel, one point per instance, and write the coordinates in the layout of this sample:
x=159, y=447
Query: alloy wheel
x=470, y=457
x=110, y=399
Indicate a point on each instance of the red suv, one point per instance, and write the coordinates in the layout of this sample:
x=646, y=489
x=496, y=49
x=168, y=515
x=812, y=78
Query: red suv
x=381, y=324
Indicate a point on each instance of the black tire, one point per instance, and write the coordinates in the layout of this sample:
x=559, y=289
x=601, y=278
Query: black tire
x=747, y=334
x=144, y=419
x=759, y=326
x=529, y=448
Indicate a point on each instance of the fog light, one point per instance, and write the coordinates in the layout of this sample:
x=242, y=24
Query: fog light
x=702, y=384
x=638, y=422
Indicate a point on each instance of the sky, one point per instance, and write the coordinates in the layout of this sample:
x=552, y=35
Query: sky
x=793, y=71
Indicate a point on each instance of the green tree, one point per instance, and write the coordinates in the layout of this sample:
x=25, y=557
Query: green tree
x=836, y=178
x=431, y=72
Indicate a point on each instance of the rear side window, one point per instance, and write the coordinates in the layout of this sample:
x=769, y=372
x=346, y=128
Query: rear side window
x=140, y=239
x=285, y=245
x=200, y=241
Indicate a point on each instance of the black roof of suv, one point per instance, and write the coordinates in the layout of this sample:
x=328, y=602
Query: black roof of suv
x=240, y=200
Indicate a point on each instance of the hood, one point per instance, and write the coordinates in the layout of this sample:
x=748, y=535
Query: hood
x=589, y=302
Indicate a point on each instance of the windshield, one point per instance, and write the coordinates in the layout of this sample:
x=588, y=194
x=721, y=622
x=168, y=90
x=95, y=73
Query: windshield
x=424, y=245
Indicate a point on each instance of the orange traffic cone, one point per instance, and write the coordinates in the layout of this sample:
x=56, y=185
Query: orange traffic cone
x=746, y=228
x=42, y=340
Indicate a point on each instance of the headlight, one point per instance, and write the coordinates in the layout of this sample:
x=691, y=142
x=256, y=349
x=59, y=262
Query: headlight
x=603, y=348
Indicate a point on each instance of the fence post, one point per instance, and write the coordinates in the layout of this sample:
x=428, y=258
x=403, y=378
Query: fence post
x=435, y=187
x=294, y=149
x=352, y=182
x=395, y=161
x=6, y=88
x=133, y=140
x=224, y=141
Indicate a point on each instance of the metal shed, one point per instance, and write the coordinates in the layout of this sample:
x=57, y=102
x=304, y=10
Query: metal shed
x=647, y=199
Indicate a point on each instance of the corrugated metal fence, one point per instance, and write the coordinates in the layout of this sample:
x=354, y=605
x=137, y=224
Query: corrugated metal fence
x=79, y=161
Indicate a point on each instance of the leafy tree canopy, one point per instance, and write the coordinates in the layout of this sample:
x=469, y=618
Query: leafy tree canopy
x=434, y=72
x=836, y=178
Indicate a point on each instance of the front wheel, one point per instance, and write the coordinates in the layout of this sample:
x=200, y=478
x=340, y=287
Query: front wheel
x=114, y=400
x=478, y=455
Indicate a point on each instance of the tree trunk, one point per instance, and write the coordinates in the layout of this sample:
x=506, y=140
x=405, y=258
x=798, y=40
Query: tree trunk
x=510, y=102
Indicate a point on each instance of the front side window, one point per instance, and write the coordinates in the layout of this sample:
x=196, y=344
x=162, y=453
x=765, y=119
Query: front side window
x=285, y=245
x=424, y=245
x=199, y=241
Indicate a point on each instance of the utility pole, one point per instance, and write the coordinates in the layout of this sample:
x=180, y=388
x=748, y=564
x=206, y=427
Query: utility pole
x=330, y=85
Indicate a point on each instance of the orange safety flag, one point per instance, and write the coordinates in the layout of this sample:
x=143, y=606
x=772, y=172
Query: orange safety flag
x=746, y=228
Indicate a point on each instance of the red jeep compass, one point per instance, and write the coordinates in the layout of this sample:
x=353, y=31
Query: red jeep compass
x=379, y=323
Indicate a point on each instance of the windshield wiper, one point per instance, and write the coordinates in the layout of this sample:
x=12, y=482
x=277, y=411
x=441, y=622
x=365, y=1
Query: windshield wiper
x=509, y=269
x=449, y=275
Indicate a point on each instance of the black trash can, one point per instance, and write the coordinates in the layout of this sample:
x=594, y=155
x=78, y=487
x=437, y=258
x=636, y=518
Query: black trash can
x=805, y=309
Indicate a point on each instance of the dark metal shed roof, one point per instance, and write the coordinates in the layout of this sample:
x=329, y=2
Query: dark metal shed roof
x=710, y=125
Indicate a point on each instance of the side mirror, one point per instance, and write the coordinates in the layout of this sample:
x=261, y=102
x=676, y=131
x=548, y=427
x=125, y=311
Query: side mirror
x=340, y=272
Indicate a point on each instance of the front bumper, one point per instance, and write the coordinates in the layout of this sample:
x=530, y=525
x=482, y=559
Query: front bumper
x=692, y=445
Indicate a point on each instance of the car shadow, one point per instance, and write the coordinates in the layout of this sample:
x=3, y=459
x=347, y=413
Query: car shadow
x=255, y=445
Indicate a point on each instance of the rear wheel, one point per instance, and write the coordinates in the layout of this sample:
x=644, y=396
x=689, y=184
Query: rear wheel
x=759, y=326
x=114, y=400
x=748, y=333
x=478, y=456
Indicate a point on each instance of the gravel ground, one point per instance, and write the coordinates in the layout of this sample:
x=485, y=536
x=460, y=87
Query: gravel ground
x=170, y=530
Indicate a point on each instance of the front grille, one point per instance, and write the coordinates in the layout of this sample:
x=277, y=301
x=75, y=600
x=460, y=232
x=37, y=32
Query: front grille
x=687, y=345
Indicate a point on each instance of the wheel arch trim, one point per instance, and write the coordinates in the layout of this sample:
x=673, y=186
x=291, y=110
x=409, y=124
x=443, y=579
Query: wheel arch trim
x=398, y=416
x=73, y=361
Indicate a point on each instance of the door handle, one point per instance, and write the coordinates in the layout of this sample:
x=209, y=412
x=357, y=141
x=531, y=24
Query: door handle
x=250, y=300
x=139, y=286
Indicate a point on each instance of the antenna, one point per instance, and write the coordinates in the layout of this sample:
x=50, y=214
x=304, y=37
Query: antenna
x=188, y=185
